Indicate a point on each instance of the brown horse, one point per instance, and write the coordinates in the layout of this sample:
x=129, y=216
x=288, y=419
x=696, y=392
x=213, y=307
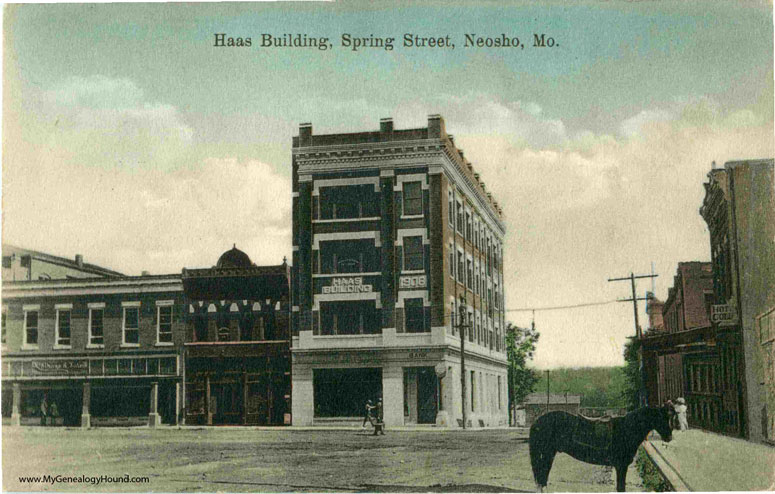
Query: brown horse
x=613, y=442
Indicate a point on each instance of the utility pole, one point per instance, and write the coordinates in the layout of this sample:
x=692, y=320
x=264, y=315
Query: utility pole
x=547, y=391
x=638, y=332
x=462, y=327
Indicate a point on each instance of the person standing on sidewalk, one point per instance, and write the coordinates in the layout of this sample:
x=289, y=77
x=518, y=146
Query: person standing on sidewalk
x=680, y=410
x=43, y=411
x=379, y=426
x=367, y=416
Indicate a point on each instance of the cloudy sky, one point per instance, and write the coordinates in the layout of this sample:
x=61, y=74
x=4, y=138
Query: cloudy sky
x=129, y=138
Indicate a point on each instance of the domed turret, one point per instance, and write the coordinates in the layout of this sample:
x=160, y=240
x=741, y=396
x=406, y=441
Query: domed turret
x=234, y=258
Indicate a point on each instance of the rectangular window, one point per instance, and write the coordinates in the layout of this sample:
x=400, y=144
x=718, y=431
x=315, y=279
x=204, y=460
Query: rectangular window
x=469, y=233
x=63, y=328
x=473, y=391
x=164, y=324
x=451, y=207
x=131, y=326
x=348, y=256
x=451, y=262
x=31, y=328
x=461, y=268
x=5, y=322
x=471, y=326
x=348, y=202
x=459, y=217
x=96, y=335
x=470, y=277
x=412, y=198
x=348, y=318
x=413, y=253
x=414, y=315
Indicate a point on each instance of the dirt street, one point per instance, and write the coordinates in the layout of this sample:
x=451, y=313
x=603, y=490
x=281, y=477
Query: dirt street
x=286, y=460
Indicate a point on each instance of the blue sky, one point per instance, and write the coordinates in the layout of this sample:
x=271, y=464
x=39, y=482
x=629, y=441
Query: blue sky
x=130, y=139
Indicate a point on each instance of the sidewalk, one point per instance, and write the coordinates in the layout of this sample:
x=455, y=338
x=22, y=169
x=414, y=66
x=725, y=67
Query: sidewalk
x=702, y=461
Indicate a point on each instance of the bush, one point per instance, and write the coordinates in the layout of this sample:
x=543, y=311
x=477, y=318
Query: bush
x=650, y=476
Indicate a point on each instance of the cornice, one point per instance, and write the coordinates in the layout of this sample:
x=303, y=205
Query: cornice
x=395, y=154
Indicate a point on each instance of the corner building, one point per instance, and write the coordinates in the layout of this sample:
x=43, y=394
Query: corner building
x=392, y=232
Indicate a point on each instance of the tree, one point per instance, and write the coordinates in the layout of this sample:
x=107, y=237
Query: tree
x=632, y=377
x=520, y=346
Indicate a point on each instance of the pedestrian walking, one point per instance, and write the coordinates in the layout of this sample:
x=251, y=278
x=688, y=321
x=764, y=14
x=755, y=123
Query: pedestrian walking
x=43, y=411
x=680, y=410
x=368, y=416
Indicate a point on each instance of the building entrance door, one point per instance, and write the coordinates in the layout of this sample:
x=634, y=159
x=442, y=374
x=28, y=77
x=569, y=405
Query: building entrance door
x=228, y=403
x=427, y=395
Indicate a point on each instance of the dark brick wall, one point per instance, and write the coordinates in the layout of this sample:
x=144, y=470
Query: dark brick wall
x=79, y=322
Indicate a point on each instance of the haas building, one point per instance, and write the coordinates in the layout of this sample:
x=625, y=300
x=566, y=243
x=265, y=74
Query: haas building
x=394, y=233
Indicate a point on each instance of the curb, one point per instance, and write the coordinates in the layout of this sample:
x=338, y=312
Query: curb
x=668, y=471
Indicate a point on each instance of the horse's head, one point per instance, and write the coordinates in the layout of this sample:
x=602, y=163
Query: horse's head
x=663, y=418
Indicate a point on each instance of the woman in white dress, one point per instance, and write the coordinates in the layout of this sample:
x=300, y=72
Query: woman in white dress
x=680, y=410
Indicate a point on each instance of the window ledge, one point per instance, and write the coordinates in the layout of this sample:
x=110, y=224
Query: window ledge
x=164, y=343
x=130, y=345
x=30, y=347
x=413, y=271
x=340, y=275
x=95, y=345
x=63, y=347
x=411, y=216
x=322, y=336
x=345, y=220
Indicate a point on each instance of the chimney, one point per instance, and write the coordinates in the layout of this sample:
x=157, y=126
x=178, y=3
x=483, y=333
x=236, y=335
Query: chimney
x=79, y=260
x=385, y=129
x=436, y=128
x=305, y=134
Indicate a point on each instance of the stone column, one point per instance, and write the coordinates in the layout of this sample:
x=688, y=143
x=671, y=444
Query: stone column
x=393, y=395
x=302, y=396
x=178, y=401
x=443, y=417
x=16, y=417
x=153, y=416
x=86, y=406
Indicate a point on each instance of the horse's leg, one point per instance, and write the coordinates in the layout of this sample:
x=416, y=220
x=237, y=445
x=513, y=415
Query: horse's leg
x=541, y=458
x=621, y=477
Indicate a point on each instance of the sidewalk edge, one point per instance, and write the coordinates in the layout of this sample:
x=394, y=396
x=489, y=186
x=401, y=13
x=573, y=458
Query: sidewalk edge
x=667, y=470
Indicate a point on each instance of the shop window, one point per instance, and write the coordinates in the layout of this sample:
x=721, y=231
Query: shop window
x=164, y=324
x=347, y=202
x=413, y=253
x=131, y=326
x=414, y=315
x=412, y=198
x=473, y=391
x=31, y=328
x=96, y=336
